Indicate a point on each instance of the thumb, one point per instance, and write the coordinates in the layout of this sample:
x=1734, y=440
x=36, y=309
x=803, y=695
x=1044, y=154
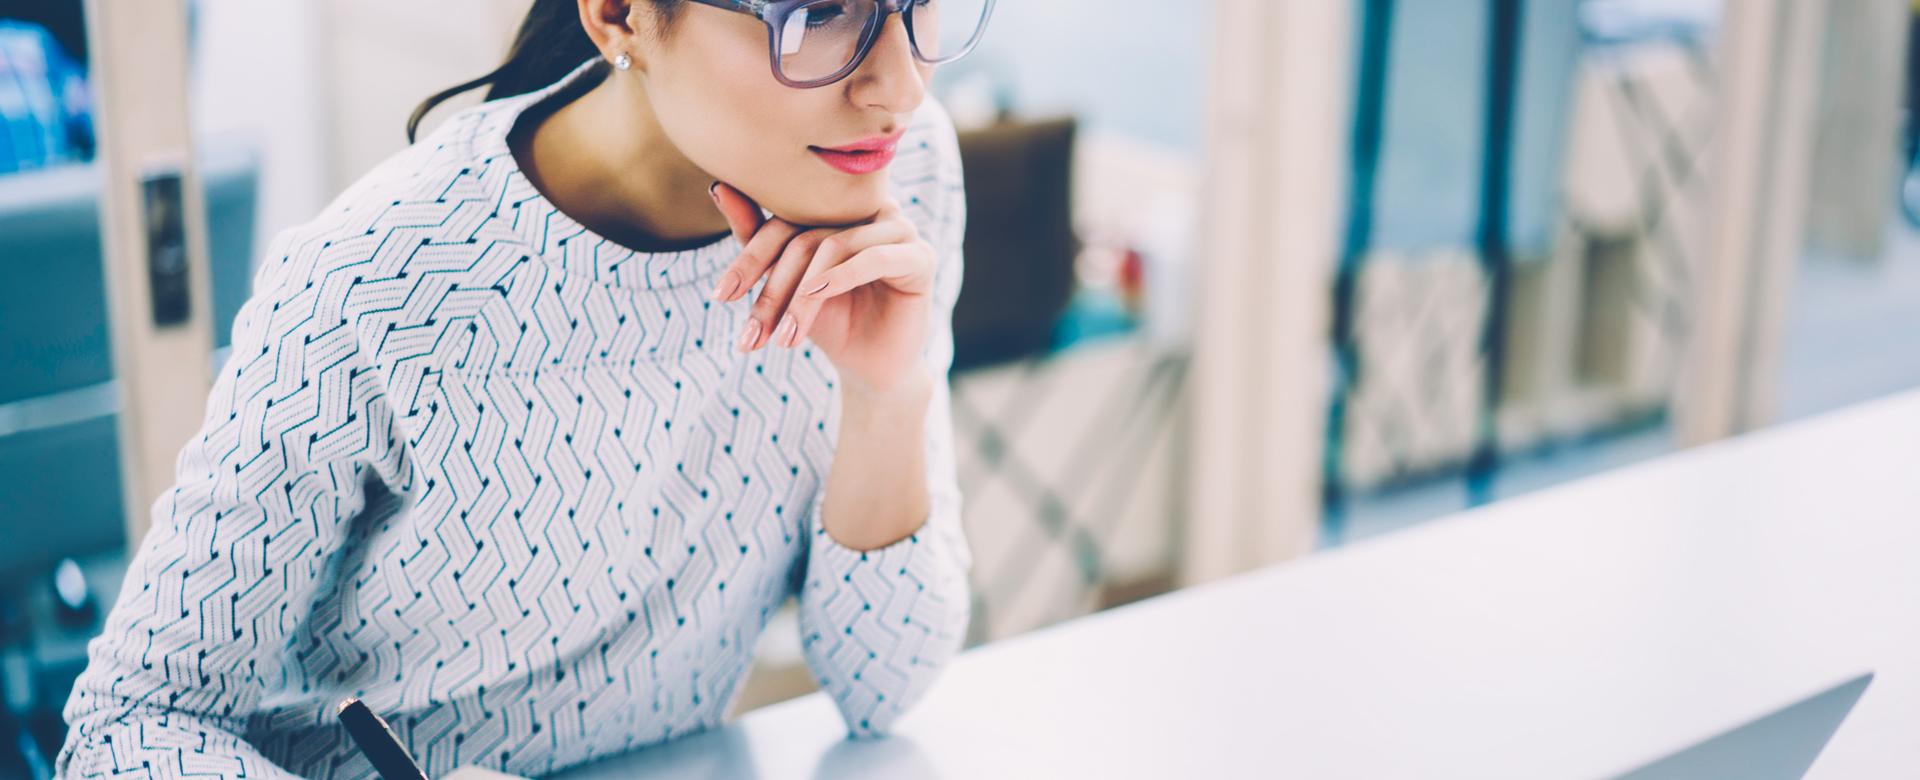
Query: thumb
x=742, y=213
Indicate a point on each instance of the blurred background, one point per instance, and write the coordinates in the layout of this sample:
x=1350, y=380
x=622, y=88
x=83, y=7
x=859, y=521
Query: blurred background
x=1246, y=281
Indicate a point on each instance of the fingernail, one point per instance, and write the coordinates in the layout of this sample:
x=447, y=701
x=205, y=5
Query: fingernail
x=713, y=191
x=821, y=285
x=749, y=334
x=787, y=327
x=724, y=290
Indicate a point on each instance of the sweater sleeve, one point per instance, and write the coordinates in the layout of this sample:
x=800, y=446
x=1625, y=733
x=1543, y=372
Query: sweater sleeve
x=241, y=542
x=877, y=626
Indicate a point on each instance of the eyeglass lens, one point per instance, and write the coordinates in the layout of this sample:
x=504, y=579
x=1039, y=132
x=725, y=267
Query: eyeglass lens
x=821, y=38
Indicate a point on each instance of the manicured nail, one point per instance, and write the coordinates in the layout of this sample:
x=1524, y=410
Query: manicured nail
x=749, y=334
x=817, y=287
x=724, y=290
x=787, y=327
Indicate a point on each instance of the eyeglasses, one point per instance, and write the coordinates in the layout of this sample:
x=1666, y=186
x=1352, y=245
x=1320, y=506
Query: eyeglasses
x=814, y=43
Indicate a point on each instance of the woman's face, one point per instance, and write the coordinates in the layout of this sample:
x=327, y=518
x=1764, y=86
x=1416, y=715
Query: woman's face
x=713, y=92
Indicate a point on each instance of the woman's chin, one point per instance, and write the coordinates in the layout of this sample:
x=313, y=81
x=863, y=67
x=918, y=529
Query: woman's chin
x=825, y=212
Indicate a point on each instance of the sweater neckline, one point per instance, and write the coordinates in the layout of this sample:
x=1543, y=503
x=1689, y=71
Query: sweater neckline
x=559, y=239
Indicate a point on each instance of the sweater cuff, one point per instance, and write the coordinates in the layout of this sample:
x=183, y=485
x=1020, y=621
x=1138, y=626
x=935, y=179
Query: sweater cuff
x=911, y=557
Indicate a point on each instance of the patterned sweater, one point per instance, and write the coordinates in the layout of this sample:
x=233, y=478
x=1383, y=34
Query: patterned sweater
x=511, y=484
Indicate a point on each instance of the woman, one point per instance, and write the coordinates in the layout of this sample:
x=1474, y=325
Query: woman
x=524, y=438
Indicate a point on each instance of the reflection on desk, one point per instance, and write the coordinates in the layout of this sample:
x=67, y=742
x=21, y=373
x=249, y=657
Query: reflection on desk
x=724, y=753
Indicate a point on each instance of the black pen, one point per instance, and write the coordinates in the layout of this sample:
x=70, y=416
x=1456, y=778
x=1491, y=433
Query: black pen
x=368, y=731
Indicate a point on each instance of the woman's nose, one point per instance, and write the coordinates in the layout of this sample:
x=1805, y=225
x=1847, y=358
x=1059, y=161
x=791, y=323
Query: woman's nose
x=890, y=77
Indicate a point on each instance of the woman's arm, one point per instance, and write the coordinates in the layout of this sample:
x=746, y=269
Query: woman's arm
x=876, y=492
x=884, y=607
x=877, y=624
x=242, y=541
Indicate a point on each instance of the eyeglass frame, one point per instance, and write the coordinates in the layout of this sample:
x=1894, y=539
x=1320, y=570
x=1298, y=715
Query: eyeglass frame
x=774, y=13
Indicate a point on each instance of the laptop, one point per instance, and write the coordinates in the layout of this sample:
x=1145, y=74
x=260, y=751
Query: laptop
x=1781, y=744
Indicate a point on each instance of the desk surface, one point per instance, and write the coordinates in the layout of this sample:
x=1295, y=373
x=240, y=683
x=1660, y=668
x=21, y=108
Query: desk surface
x=1574, y=632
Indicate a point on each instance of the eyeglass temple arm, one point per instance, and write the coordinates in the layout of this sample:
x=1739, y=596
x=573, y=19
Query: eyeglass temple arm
x=759, y=7
x=751, y=7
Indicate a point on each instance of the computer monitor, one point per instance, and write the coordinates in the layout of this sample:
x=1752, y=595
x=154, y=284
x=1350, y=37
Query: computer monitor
x=1780, y=745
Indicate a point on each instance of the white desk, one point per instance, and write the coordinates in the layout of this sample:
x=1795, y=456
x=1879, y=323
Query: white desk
x=1573, y=632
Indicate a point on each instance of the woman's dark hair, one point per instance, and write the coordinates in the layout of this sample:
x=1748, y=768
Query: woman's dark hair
x=549, y=45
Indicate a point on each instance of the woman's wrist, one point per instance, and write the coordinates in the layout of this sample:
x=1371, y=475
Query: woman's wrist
x=910, y=392
x=876, y=493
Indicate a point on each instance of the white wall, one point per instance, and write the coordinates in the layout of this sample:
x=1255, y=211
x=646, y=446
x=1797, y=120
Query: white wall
x=258, y=70
x=323, y=89
x=386, y=56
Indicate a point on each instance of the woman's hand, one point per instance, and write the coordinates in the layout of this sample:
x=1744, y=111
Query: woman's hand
x=860, y=292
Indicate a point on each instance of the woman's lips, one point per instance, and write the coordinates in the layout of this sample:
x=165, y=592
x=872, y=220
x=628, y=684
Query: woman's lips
x=856, y=162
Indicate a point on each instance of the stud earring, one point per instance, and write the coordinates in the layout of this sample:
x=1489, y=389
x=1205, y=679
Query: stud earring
x=622, y=61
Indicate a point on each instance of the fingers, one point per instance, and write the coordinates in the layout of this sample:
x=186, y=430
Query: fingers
x=762, y=249
x=781, y=281
x=742, y=213
x=789, y=255
x=803, y=308
x=903, y=267
x=744, y=219
x=763, y=240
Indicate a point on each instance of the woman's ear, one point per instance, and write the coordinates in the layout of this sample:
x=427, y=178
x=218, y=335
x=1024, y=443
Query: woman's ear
x=613, y=25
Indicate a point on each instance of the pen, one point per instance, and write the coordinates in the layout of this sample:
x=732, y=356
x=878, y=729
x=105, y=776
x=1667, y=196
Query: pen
x=368, y=731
